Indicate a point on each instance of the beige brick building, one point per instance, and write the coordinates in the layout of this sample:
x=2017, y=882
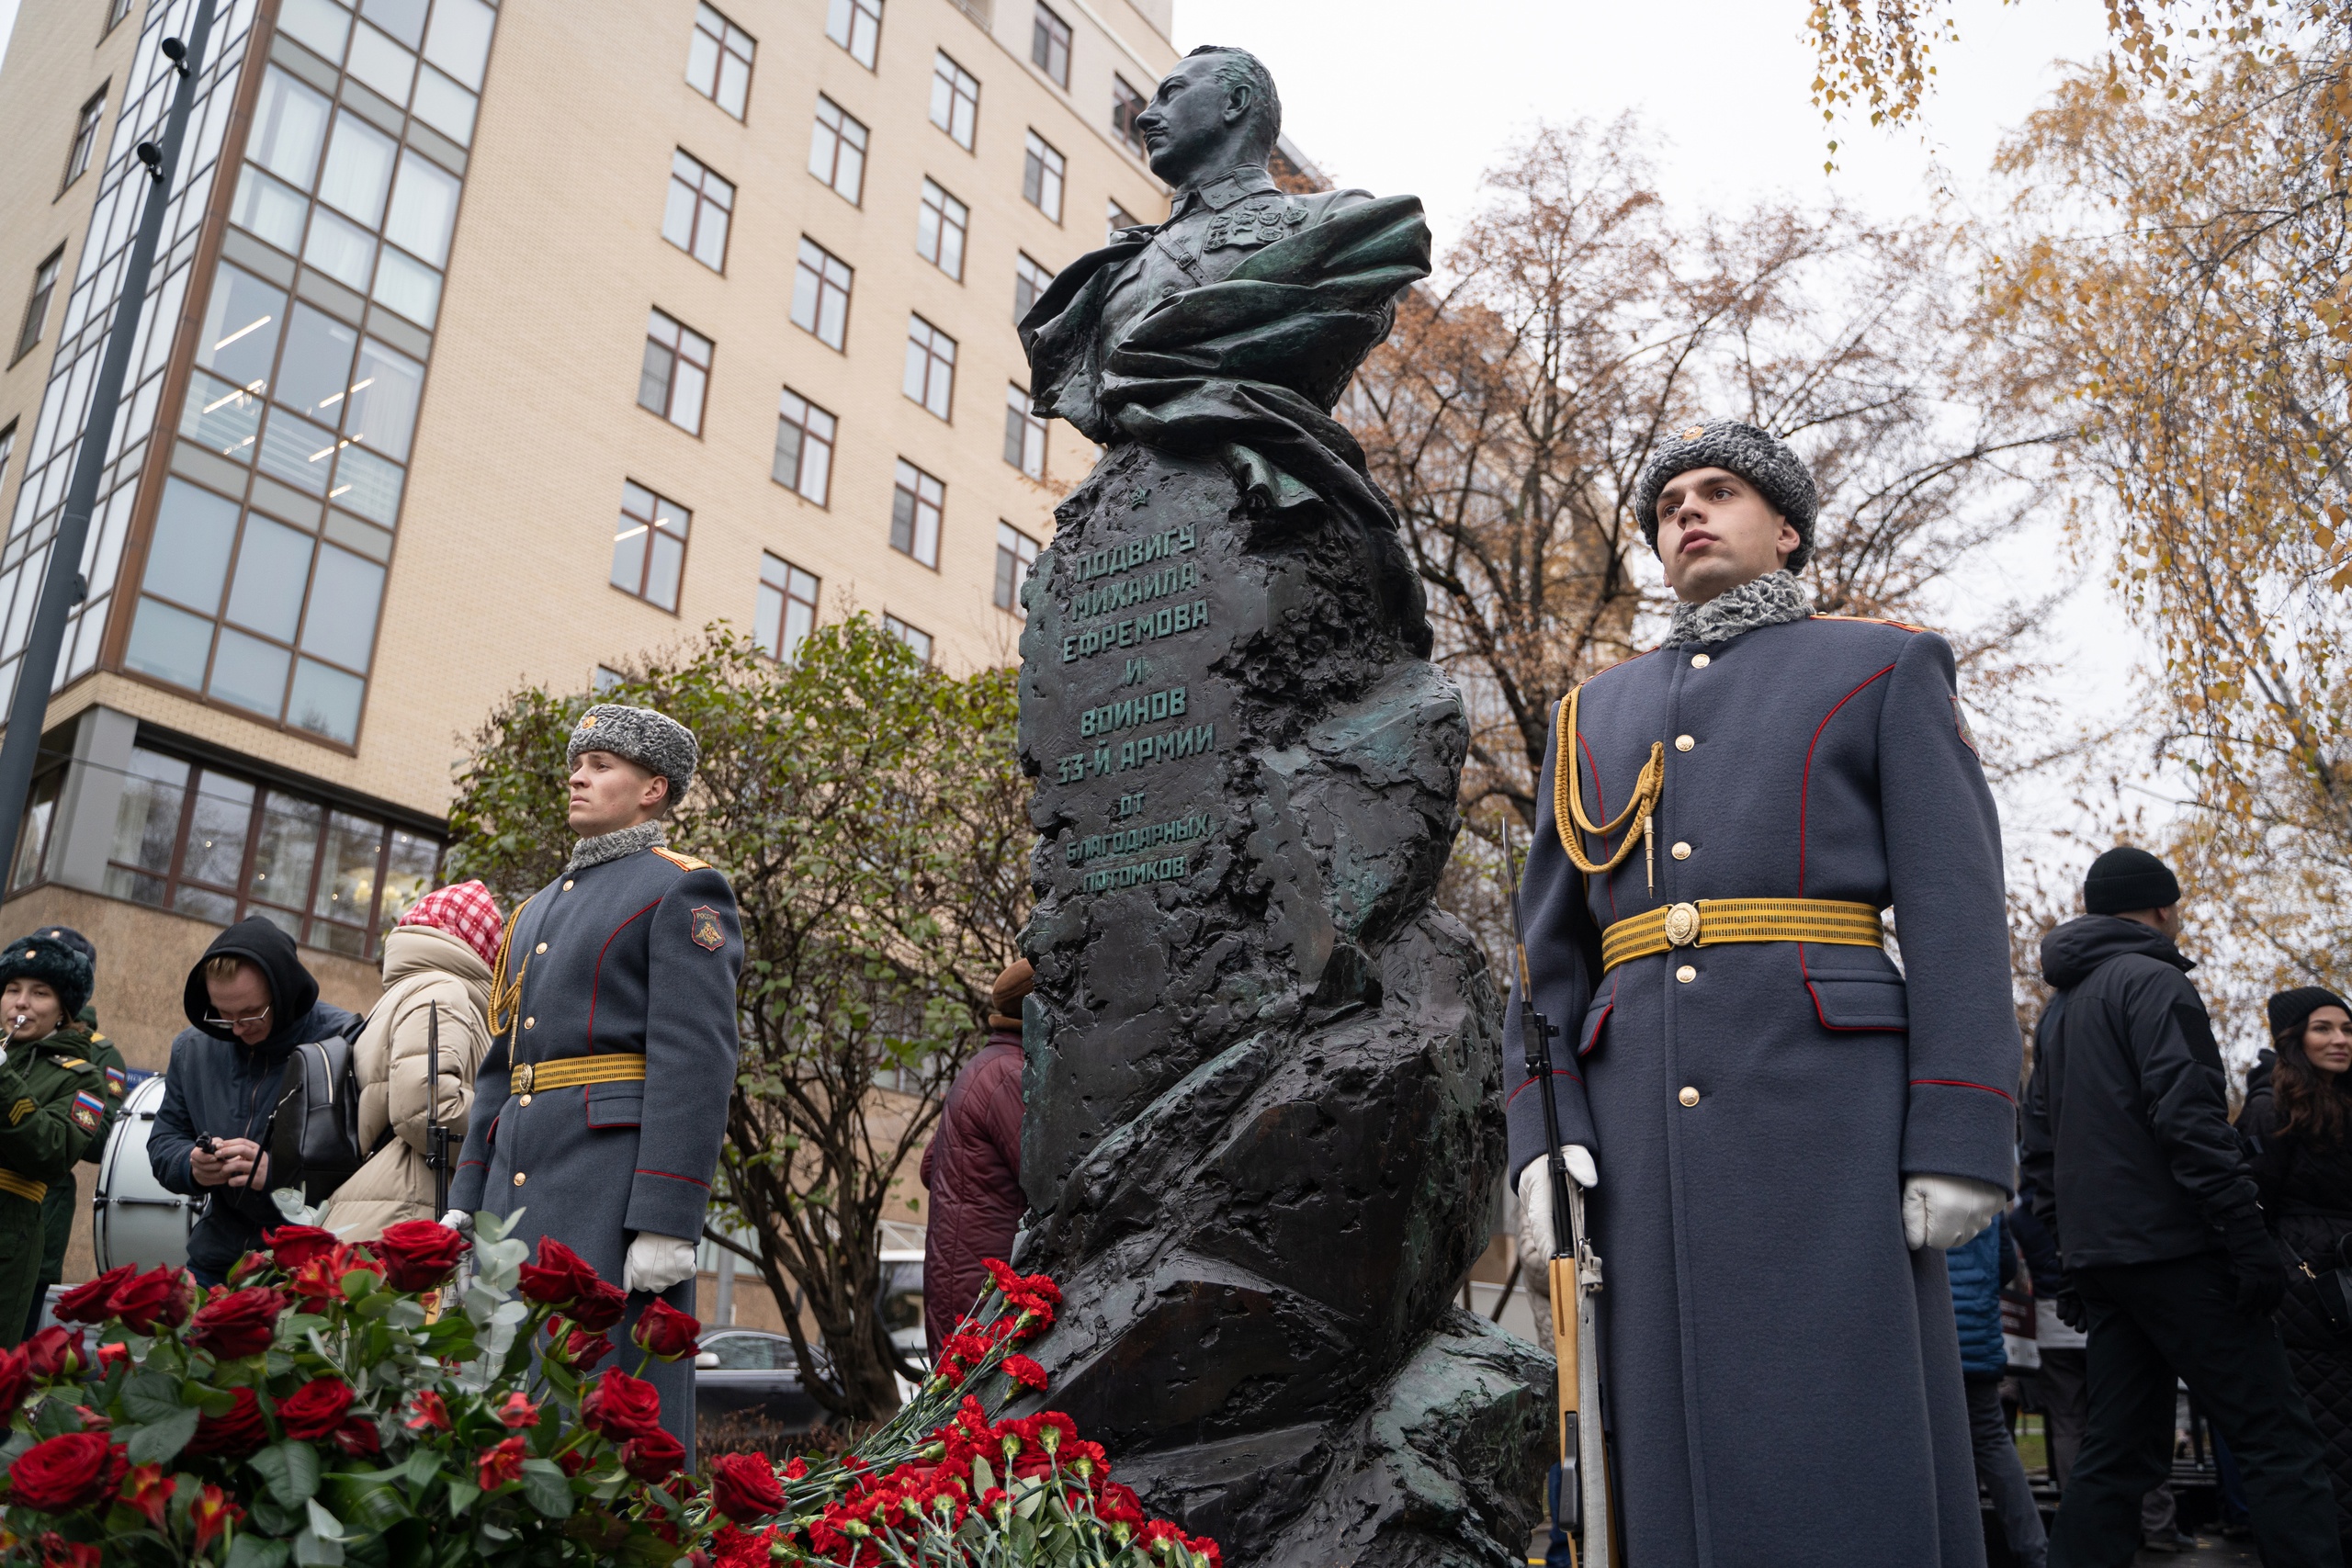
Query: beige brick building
x=492, y=344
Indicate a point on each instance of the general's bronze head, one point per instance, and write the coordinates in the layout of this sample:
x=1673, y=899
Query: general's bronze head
x=1215, y=111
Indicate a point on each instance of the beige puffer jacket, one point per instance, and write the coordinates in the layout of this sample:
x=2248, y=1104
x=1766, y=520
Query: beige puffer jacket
x=425, y=967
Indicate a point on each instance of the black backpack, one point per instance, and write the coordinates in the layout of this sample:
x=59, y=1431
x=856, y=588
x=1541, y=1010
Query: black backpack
x=314, y=1132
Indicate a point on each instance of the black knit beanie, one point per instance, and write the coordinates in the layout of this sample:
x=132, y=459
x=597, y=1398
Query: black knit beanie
x=63, y=968
x=2291, y=1009
x=1761, y=458
x=2126, y=878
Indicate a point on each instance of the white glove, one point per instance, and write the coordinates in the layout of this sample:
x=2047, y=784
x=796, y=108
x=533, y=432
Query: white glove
x=1944, y=1211
x=656, y=1262
x=1536, y=1229
x=459, y=1221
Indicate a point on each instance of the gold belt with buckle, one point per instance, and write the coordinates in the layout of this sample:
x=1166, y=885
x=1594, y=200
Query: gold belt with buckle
x=1715, y=922
x=570, y=1072
x=24, y=1187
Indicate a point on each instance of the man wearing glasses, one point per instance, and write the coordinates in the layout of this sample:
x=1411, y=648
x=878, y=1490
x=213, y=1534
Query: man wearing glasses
x=250, y=1002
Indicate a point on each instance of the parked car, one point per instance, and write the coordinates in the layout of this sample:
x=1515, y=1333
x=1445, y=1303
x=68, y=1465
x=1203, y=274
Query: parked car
x=751, y=1374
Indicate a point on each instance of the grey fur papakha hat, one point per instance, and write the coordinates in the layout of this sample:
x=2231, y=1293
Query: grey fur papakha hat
x=650, y=740
x=1762, y=459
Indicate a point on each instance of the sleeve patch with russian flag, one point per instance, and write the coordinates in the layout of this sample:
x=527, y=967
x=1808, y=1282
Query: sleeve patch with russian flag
x=88, y=1110
x=116, y=1082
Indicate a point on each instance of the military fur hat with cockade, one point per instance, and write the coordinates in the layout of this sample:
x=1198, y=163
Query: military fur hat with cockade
x=1761, y=458
x=653, y=741
x=59, y=965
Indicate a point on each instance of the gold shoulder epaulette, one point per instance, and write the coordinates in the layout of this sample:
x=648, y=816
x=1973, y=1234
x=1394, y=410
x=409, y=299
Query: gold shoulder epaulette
x=683, y=863
x=1873, y=621
x=71, y=1062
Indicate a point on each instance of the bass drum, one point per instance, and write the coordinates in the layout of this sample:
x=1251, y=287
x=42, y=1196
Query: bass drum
x=135, y=1219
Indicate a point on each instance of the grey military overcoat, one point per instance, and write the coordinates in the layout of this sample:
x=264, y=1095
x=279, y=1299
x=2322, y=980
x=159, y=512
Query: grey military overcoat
x=1783, y=1378
x=639, y=954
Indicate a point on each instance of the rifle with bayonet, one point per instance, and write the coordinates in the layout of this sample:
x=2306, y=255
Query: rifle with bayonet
x=1574, y=1274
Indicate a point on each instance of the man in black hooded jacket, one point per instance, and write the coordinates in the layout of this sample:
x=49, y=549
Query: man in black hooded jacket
x=249, y=1003
x=2139, y=1179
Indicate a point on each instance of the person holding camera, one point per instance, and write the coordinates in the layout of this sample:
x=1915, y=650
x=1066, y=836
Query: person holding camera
x=2298, y=1123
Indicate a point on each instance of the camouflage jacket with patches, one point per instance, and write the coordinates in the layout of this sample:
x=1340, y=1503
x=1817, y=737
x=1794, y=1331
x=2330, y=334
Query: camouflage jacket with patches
x=53, y=1104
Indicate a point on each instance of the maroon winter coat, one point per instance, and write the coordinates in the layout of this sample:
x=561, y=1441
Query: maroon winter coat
x=972, y=1171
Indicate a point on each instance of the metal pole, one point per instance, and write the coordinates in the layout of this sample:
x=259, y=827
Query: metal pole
x=61, y=586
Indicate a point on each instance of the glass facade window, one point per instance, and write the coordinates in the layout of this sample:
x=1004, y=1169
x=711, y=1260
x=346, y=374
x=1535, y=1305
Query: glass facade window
x=787, y=609
x=1126, y=104
x=837, y=151
x=8, y=448
x=917, y=641
x=821, y=294
x=931, y=367
x=1030, y=281
x=918, y=503
x=85, y=138
x=856, y=26
x=649, y=547
x=1049, y=45
x=955, y=100
x=209, y=843
x=37, y=304
x=116, y=11
x=718, y=61
x=804, y=446
x=1016, y=552
x=694, y=217
x=675, y=373
x=940, y=227
x=1116, y=218
x=1041, y=177
x=1024, y=434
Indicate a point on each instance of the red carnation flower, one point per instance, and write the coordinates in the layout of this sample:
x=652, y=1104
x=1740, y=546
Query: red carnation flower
x=1119, y=1505
x=621, y=1406
x=68, y=1473
x=500, y=1465
x=419, y=1255
x=161, y=1296
x=293, y=1246
x=238, y=1433
x=652, y=1457
x=241, y=1322
x=795, y=1468
x=744, y=1487
x=93, y=1302
x=664, y=1332
x=1024, y=1371
x=315, y=1410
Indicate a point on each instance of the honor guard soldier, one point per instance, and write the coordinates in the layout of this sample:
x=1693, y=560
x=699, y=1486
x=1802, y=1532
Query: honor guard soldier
x=1781, y=1128
x=601, y=1105
x=52, y=1105
x=57, y=1208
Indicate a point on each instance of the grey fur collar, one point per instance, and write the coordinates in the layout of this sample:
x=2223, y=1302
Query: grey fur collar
x=612, y=846
x=1766, y=601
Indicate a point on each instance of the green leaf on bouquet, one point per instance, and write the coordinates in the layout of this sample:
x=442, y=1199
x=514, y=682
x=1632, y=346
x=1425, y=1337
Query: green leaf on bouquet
x=422, y=1466
x=256, y=1551
x=160, y=1441
x=547, y=1488
x=462, y=1494
x=56, y=1418
x=291, y=1469
x=314, y=1550
x=150, y=1396
x=211, y=1401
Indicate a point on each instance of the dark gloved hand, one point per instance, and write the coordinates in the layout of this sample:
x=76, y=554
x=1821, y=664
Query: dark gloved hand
x=2068, y=1304
x=2257, y=1269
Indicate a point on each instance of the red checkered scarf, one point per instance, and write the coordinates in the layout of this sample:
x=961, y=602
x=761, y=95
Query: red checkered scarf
x=466, y=912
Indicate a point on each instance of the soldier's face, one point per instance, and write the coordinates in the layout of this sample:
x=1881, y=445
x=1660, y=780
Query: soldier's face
x=1189, y=120
x=31, y=1008
x=1716, y=532
x=609, y=793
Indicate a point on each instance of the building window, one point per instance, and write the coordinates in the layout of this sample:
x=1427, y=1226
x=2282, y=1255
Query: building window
x=821, y=294
x=1024, y=434
x=787, y=606
x=856, y=26
x=804, y=446
x=718, y=61
x=649, y=546
x=85, y=138
x=940, y=227
x=695, y=219
x=221, y=848
x=1016, y=552
x=7, y=449
x=37, y=308
x=917, y=642
x=1041, y=177
x=116, y=11
x=916, y=507
x=837, y=150
x=676, y=372
x=1115, y=219
x=1049, y=46
x=606, y=678
x=931, y=367
x=1030, y=282
x=1126, y=104
x=955, y=100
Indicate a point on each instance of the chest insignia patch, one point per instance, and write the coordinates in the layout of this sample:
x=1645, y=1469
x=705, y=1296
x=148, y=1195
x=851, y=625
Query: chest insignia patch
x=19, y=1110
x=1260, y=220
x=115, y=1082
x=1960, y=719
x=88, y=1110
x=705, y=928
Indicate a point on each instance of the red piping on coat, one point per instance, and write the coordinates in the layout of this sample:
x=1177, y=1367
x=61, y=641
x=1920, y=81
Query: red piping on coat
x=1556, y=1072
x=596, y=976
x=1962, y=1083
x=673, y=1176
x=1600, y=803
x=1804, y=791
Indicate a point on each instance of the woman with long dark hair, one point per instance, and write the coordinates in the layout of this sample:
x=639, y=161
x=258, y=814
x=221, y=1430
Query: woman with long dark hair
x=2299, y=1126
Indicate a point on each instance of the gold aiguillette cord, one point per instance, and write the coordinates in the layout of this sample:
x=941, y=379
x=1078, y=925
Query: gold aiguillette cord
x=1567, y=803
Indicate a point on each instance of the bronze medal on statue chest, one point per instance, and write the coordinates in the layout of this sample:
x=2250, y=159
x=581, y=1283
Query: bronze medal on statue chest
x=1260, y=220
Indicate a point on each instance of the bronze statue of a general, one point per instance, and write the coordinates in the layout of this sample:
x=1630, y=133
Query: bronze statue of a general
x=1262, y=1144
